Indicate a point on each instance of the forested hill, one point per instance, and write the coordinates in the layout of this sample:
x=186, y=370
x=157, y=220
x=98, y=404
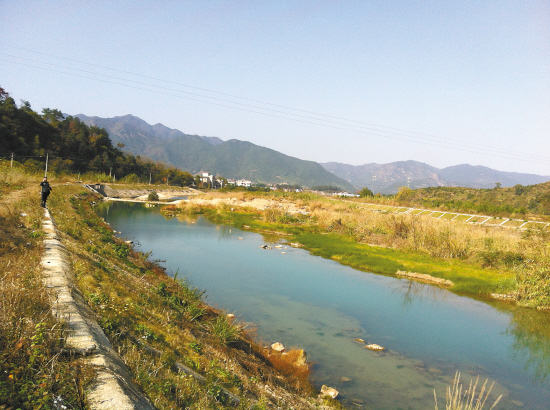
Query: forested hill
x=72, y=146
x=231, y=159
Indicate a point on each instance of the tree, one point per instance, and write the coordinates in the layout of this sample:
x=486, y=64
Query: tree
x=52, y=116
x=519, y=189
x=3, y=94
x=365, y=192
x=404, y=193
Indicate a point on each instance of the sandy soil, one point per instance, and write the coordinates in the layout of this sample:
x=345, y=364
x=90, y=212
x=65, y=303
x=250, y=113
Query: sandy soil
x=257, y=203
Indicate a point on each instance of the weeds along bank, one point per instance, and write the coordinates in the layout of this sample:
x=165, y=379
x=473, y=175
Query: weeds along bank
x=478, y=259
x=32, y=373
x=158, y=325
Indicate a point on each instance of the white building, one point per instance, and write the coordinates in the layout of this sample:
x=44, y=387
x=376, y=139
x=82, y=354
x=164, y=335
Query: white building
x=345, y=194
x=244, y=182
x=210, y=180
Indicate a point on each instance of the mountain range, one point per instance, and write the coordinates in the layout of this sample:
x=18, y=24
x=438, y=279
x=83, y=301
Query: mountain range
x=243, y=160
x=387, y=178
x=231, y=159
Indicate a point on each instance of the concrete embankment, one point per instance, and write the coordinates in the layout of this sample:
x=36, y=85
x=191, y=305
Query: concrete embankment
x=112, y=387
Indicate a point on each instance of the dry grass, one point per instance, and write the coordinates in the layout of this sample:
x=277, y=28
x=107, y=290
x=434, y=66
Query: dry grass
x=32, y=373
x=293, y=364
x=470, y=399
x=533, y=276
x=437, y=238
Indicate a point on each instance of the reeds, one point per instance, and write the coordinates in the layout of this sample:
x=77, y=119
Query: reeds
x=437, y=238
x=470, y=399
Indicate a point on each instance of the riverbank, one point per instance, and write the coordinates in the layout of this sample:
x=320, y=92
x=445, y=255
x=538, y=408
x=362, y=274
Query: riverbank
x=478, y=260
x=180, y=351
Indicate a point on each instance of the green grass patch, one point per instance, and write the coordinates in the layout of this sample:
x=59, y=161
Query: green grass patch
x=468, y=277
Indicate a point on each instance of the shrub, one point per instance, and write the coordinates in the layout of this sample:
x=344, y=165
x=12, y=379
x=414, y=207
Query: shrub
x=153, y=196
x=225, y=331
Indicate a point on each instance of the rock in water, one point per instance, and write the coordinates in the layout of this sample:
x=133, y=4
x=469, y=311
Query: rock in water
x=278, y=347
x=301, y=359
x=329, y=391
x=375, y=347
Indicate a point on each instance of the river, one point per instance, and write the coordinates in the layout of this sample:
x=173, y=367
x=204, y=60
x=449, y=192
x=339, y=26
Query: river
x=321, y=306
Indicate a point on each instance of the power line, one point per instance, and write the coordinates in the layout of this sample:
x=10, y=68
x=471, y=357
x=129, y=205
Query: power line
x=435, y=141
x=379, y=128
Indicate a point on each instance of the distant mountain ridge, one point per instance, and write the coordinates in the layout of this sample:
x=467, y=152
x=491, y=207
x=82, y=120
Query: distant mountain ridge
x=387, y=178
x=231, y=159
x=241, y=159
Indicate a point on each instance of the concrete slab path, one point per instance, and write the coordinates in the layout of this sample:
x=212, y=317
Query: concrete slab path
x=112, y=387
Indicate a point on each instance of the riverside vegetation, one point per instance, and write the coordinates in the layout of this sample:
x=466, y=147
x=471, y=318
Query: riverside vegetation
x=152, y=320
x=478, y=260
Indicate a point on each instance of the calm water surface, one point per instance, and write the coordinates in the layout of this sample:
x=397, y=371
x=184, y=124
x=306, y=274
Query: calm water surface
x=318, y=305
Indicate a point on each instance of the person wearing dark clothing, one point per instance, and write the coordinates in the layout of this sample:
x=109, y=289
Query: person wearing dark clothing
x=46, y=189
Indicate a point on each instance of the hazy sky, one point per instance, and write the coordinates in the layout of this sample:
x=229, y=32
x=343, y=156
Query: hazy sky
x=442, y=82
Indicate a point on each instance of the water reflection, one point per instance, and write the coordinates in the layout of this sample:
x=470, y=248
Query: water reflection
x=531, y=331
x=418, y=291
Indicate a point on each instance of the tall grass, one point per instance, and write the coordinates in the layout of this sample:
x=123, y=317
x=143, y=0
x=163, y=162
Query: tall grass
x=437, y=238
x=470, y=399
x=533, y=276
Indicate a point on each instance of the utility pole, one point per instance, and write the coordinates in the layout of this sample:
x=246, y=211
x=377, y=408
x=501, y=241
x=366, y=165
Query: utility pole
x=373, y=182
x=408, y=182
x=46, y=172
x=11, y=165
x=149, y=178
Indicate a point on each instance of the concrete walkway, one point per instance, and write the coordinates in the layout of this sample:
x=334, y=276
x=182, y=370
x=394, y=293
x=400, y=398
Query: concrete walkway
x=484, y=220
x=112, y=387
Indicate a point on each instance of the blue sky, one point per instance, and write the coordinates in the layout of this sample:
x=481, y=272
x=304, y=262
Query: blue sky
x=441, y=82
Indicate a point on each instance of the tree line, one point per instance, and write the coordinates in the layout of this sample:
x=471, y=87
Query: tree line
x=73, y=147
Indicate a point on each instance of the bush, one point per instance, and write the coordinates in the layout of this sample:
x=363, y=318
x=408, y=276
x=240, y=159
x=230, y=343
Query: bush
x=153, y=196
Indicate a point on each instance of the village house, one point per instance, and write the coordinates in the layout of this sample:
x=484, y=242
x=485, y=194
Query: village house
x=244, y=182
x=208, y=179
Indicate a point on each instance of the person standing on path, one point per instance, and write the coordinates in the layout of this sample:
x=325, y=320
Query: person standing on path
x=46, y=189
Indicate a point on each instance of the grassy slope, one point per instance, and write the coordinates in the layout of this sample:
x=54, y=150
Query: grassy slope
x=517, y=202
